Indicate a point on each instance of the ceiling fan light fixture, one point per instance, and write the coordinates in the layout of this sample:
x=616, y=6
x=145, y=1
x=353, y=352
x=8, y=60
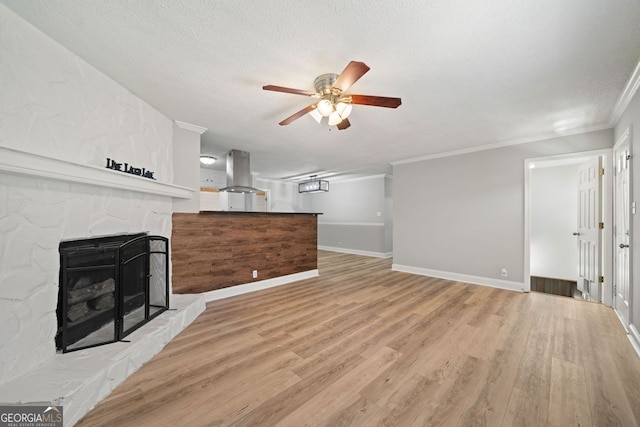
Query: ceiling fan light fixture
x=325, y=107
x=316, y=115
x=334, y=118
x=330, y=91
x=344, y=109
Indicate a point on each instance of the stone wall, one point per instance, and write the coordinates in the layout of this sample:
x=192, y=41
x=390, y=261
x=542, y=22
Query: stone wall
x=54, y=104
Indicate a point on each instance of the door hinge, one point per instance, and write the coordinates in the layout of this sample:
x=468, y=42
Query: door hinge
x=600, y=279
x=601, y=171
x=628, y=156
x=601, y=225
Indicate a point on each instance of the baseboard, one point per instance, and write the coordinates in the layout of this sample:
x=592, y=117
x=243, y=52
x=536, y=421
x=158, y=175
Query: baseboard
x=632, y=333
x=622, y=321
x=457, y=277
x=356, y=252
x=257, y=286
x=634, y=337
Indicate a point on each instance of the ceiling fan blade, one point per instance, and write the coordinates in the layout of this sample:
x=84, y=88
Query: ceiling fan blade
x=344, y=124
x=297, y=115
x=376, y=101
x=350, y=75
x=288, y=90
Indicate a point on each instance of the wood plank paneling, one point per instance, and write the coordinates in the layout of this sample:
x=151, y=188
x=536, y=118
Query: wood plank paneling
x=215, y=250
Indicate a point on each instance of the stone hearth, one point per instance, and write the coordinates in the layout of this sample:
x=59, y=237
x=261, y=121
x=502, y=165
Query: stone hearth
x=80, y=379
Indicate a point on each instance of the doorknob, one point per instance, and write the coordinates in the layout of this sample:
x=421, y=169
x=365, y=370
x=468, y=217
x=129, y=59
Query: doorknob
x=575, y=234
x=622, y=246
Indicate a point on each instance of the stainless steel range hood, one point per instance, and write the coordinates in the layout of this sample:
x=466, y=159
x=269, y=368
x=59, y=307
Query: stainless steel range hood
x=239, y=173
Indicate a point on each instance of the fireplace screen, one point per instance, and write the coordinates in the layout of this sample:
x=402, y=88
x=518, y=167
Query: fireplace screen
x=109, y=287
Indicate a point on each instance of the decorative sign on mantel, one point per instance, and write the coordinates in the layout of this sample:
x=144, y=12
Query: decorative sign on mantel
x=112, y=164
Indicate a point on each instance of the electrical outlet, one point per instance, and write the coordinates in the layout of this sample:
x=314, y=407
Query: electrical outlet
x=255, y=274
x=503, y=272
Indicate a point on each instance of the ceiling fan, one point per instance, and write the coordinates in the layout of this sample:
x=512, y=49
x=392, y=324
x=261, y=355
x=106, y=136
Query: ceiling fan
x=332, y=101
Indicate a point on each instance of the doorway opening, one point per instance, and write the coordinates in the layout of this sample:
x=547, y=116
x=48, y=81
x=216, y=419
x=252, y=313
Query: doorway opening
x=261, y=201
x=568, y=225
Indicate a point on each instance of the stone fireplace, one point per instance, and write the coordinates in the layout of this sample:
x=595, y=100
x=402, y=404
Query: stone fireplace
x=37, y=213
x=62, y=120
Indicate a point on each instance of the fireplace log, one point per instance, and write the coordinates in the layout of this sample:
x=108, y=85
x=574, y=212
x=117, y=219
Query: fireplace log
x=77, y=311
x=102, y=302
x=82, y=282
x=90, y=292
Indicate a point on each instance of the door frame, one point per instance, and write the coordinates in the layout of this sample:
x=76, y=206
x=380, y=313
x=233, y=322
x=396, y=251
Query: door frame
x=626, y=135
x=267, y=200
x=607, y=216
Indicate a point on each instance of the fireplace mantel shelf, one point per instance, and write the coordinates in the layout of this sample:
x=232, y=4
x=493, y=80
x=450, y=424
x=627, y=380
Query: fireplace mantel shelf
x=31, y=164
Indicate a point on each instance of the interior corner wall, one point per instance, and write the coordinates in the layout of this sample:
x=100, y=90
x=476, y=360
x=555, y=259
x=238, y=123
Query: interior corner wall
x=388, y=214
x=553, y=217
x=631, y=119
x=464, y=214
x=355, y=216
x=186, y=167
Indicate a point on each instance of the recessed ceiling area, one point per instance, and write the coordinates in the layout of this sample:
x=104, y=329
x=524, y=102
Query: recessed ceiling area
x=469, y=73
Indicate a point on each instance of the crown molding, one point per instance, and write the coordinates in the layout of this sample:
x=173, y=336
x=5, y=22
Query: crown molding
x=621, y=138
x=189, y=126
x=626, y=96
x=275, y=180
x=358, y=178
x=503, y=144
x=334, y=178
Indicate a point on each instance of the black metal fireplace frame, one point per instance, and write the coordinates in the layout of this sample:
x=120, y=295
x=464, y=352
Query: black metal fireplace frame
x=118, y=245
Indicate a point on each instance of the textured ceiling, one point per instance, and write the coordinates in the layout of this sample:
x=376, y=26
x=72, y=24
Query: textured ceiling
x=469, y=72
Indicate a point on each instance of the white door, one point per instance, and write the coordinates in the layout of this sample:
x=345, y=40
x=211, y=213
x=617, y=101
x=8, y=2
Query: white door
x=589, y=219
x=621, y=212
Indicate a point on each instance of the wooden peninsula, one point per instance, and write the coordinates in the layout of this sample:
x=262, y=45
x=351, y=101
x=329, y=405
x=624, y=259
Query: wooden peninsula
x=218, y=249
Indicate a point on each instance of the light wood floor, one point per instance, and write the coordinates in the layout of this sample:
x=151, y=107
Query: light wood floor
x=363, y=345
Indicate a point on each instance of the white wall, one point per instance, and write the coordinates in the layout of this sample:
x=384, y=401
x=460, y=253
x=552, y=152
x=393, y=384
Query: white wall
x=54, y=104
x=464, y=214
x=631, y=119
x=358, y=200
x=356, y=216
x=284, y=196
x=211, y=178
x=186, y=166
x=553, y=219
